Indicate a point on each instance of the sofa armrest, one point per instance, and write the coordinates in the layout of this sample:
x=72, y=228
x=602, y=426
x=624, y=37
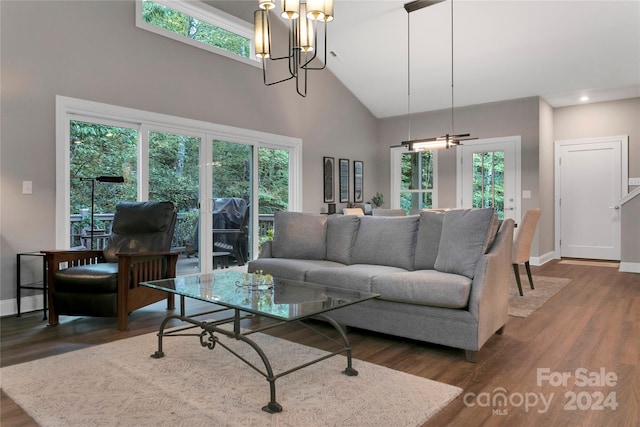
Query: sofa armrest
x=489, y=299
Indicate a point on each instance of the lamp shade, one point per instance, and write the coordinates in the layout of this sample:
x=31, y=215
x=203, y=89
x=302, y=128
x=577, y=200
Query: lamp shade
x=266, y=4
x=328, y=10
x=315, y=9
x=261, y=32
x=290, y=9
x=306, y=32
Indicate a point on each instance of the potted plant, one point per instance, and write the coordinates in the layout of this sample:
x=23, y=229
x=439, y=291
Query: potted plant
x=377, y=200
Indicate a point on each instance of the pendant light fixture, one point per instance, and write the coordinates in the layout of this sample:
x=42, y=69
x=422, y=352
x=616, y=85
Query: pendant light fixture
x=304, y=18
x=444, y=141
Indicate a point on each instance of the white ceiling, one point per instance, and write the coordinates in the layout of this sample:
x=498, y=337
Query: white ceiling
x=559, y=50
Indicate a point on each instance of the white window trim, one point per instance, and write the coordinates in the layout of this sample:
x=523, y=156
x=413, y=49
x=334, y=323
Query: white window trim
x=68, y=109
x=208, y=14
x=395, y=154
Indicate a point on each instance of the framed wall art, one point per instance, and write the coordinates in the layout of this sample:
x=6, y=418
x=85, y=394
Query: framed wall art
x=328, y=171
x=343, y=172
x=358, y=179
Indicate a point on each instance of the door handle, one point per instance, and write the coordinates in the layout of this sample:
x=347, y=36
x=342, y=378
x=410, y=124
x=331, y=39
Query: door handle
x=614, y=207
x=509, y=209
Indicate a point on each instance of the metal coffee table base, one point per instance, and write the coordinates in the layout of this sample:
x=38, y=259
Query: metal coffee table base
x=210, y=340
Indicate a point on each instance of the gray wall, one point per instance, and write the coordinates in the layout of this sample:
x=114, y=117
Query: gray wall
x=93, y=51
x=610, y=119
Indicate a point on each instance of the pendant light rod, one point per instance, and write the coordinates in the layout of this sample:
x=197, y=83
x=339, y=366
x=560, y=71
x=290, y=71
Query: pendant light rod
x=444, y=141
x=409, y=73
x=452, y=98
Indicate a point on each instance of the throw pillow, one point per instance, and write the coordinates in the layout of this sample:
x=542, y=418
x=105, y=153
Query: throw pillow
x=299, y=235
x=429, y=231
x=341, y=236
x=386, y=241
x=463, y=240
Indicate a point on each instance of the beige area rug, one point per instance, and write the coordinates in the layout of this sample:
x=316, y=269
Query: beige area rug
x=533, y=299
x=118, y=384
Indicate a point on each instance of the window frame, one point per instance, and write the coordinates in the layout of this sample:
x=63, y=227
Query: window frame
x=68, y=109
x=210, y=15
x=395, y=167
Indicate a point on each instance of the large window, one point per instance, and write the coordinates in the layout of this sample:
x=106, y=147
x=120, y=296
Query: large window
x=199, y=25
x=413, y=180
x=159, y=157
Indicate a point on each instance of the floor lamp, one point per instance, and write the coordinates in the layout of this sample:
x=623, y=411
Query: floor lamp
x=101, y=178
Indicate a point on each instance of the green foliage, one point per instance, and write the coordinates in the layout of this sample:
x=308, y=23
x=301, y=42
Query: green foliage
x=417, y=174
x=488, y=181
x=186, y=228
x=174, y=169
x=102, y=150
x=377, y=200
x=190, y=27
x=273, y=173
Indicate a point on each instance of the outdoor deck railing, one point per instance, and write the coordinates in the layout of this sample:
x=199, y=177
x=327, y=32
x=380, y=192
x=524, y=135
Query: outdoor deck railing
x=81, y=236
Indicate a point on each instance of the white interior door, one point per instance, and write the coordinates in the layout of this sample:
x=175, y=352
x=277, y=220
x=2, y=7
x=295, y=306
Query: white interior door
x=589, y=184
x=489, y=175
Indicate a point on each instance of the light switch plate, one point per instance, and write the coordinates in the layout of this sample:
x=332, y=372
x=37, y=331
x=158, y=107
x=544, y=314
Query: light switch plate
x=634, y=181
x=526, y=194
x=27, y=187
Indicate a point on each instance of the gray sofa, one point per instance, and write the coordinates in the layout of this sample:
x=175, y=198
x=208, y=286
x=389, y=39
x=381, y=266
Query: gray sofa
x=442, y=276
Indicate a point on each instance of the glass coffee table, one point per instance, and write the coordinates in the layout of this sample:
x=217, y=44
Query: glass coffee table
x=238, y=296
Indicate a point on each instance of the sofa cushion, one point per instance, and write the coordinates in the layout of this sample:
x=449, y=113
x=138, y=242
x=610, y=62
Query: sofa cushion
x=287, y=268
x=341, y=236
x=424, y=287
x=428, y=241
x=463, y=240
x=387, y=241
x=357, y=277
x=299, y=235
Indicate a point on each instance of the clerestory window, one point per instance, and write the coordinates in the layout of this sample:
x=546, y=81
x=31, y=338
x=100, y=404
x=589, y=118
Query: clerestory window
x=199, y=25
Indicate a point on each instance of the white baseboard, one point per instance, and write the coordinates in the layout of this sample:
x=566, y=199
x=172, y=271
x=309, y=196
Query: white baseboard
x=540, y=260
x=629, y=267
x=29, y=303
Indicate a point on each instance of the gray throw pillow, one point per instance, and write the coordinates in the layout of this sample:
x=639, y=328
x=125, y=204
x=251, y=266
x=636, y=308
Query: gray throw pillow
x=387, y=241
x=429, y=231
x=299, y=235
x=341, y=236
x=463, y=240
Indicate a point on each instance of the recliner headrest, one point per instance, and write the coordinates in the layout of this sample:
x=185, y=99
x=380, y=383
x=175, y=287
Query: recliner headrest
x=142, y=217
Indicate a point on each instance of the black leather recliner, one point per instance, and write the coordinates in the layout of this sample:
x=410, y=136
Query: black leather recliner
x=106, y=283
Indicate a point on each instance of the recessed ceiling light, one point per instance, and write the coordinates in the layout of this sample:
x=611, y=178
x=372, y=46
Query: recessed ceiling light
x=584, y=98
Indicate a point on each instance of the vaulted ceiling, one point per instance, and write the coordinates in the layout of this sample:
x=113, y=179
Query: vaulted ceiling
x=502, y=49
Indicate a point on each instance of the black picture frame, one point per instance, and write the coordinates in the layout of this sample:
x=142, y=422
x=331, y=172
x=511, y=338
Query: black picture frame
x=343, y=172
x=328, y=170
x=358, y=181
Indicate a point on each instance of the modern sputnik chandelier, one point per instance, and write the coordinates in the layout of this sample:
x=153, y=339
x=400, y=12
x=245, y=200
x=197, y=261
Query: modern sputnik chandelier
x=304, y=17
x=433, y=143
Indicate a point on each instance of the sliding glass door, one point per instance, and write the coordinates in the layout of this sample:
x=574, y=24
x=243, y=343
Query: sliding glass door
x=174, y=175
x=194, y=164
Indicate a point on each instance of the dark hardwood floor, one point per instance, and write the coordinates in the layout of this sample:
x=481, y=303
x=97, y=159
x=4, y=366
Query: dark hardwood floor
x=590, y=327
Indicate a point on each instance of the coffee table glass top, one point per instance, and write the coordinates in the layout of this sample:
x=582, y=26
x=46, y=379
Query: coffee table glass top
x=272, y=297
